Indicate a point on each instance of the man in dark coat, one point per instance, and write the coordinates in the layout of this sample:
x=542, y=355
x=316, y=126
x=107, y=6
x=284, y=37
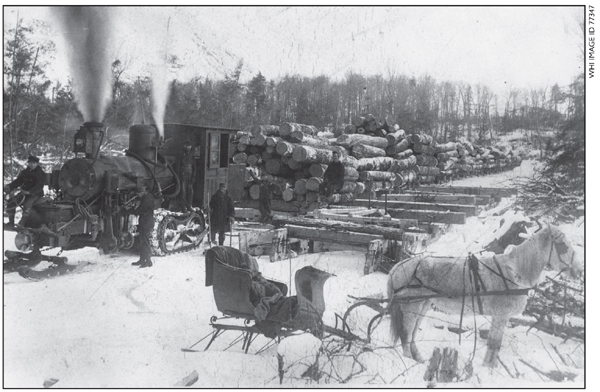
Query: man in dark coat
x=221, y=213
x=186, y=170
x=30, y=183
x=333, y=178
x=145, y=210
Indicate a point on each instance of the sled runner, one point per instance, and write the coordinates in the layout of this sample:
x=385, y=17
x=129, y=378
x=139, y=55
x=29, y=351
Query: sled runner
x=242, y=293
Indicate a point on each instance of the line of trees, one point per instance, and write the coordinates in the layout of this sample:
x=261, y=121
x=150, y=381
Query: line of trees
x=39, y=114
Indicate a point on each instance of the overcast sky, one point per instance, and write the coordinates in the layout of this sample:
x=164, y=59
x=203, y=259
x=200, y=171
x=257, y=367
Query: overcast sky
x=524, y=47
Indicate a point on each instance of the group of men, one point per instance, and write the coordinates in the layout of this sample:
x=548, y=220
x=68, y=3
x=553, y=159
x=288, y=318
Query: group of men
x=30, y=186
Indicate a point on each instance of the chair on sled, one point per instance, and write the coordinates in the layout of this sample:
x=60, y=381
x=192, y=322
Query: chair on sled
x=241, y=292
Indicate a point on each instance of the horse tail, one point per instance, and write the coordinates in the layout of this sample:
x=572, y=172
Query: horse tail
x=395, y=312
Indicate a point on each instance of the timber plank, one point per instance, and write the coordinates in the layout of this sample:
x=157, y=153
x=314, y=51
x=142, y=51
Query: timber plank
x=429, y=216
x=489, y=191
x=480, y=200
x=385, y=232
x=328, y=235
x=434, y=198
x=470, y=210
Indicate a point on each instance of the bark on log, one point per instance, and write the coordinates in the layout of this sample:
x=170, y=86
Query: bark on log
x=376, y=176
x=422, y=138
x=258, y=140
x=317, y=169
x=348, y=141
x=419, y=148
x=403, y=164
x=286, y=128
x=340, y=198
x=273, y=140
x=358, y=121
x=404, y=154
x=298, y=137
x=445, y=147
x=350, y=174
x=348, y=187
x=403, y=145
x=394, y=138
x=365, y=151
x=312, y=155
x=267, y=130
x=426, y=160
x=377, y=163
x=326, y=135
x=370, y=123
x=284, y=148
x=428, y=171
x=313, y=184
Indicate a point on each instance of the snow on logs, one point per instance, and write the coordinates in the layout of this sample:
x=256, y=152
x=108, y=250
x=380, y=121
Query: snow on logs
x=374, y=157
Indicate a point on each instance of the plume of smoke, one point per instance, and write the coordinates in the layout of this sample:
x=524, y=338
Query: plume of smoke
x=88, y=34
x=160, y=94
x=160, y=86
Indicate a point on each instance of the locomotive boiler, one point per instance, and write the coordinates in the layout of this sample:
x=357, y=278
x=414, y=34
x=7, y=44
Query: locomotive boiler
x=92, y=190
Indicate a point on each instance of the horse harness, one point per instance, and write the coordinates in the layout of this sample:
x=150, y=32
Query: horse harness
x=480, y=290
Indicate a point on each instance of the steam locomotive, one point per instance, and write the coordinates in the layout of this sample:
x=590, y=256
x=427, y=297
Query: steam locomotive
x=92, y=189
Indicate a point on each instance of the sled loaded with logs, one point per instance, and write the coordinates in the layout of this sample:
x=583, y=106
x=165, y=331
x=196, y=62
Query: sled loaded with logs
x=253, y=305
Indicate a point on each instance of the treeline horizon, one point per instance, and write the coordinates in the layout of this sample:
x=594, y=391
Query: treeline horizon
x=39, y=113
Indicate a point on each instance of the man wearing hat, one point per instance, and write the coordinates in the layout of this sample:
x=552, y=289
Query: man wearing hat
x=222, y=213
x=186, y=170
x=30, y=184
x=145, y=210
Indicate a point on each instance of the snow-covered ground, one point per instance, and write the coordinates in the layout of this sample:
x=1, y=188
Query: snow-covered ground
x=112, y=325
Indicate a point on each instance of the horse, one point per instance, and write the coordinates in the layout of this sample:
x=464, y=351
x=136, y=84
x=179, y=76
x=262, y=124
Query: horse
x=416, y=283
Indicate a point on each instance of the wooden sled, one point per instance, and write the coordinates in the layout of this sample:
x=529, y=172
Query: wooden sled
x=231, y=273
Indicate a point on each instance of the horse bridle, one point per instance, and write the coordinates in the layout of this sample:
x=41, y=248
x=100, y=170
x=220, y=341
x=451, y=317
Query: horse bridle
x=556, y=241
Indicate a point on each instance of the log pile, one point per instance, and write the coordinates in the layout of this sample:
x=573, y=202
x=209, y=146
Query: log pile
x=375, y=157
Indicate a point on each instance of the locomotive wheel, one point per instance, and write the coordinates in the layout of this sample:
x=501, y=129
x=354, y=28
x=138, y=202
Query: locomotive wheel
x=180, y=233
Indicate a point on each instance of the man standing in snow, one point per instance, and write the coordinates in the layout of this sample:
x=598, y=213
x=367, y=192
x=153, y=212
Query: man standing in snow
x=30, y=182
x=145, y=210
x=186, y=170
x=221, y=213
x=333, y=178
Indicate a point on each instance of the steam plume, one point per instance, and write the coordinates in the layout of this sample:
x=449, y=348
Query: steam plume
x=160, y=86
x=88, y=34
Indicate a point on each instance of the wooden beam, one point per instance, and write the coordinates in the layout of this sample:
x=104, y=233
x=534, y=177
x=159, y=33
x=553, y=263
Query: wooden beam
x=494, y=192
x=480, y=200
x=432, y=198
x=469, y=210
x=406, y=224
x=385, y=232
x=429, y=216
x=328, y=235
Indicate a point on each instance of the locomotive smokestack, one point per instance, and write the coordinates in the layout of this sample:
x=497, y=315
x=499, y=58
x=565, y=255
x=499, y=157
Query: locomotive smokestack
x=88, y=34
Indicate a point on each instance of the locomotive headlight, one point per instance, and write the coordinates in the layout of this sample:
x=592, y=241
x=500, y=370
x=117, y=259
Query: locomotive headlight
x=79, y=142
x=23, y=242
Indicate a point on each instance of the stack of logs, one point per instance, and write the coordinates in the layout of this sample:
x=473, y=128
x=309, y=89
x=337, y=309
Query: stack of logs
x=295, y=157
